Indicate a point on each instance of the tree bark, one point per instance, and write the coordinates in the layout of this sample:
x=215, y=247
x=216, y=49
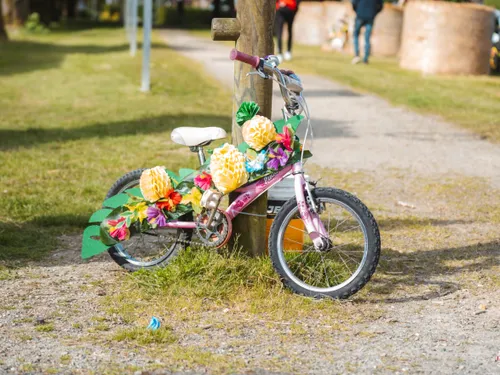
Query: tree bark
x=256, y=18
x=71, y=8
x=21, y=11
x=3, y=33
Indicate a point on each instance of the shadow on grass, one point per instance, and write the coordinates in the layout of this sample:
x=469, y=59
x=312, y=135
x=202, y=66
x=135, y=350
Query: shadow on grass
x=424, y=269
x=26, y=56
x=12, y=139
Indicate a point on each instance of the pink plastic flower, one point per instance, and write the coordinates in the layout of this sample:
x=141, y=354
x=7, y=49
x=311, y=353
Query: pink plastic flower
x=203, y=181
x=118, y=229
x=121, y=233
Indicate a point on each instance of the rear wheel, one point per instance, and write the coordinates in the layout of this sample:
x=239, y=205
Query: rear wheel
x=150, y=249
x=348, y=262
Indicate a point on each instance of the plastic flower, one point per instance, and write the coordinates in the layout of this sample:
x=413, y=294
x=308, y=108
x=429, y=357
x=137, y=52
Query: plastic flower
x=169, y=203
x=277, y=158
x=258, y=132
x=139, y=210
x=194, y=197
x=118, y=229
x=227, y=165
x=286, y=138
x=203, y=181
x=257, y=163
x=156, y=217
x=155, y=184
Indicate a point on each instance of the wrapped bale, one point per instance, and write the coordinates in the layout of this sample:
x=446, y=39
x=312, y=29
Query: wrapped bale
x=309, y=24
x=446, y=38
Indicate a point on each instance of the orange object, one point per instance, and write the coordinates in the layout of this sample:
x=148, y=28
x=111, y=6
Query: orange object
x=294, y=235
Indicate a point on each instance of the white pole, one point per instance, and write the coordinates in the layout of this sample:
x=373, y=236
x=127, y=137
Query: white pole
x=147, y=24
x=133, y=29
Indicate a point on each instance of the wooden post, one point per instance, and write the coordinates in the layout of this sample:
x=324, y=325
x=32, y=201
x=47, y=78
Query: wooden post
x=252, y=29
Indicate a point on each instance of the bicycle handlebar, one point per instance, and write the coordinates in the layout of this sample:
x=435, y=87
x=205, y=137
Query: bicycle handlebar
x=243, y=57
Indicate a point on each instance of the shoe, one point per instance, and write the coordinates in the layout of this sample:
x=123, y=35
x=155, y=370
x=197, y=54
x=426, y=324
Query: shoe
x=288, y=56
x=365, y=61
x=356, y=60
x=280, y=58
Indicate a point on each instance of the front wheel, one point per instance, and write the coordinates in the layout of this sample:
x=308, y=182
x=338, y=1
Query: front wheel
x=150, y=249
x=349, y=261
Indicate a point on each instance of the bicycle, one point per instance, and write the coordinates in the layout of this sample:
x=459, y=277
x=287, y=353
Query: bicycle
x=324, y=242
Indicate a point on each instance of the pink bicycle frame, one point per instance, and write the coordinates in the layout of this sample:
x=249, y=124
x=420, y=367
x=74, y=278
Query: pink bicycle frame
x=312, y=222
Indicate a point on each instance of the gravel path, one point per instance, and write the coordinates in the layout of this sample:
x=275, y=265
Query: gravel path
x=430, y=322
x=364, y=132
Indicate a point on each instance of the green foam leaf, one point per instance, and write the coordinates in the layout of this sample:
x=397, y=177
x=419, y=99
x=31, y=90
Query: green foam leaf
x=116, y=201
x=294, y=122
x=184, y=172
x=91, y=246
x=136, y=192
x=100, y=215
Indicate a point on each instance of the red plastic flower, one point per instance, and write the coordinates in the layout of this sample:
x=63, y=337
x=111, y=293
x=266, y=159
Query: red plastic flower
x=203, y=181
x=285, y=138
x=169, y=203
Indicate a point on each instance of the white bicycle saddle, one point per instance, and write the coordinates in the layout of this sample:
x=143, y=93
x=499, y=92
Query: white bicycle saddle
x=189, y=136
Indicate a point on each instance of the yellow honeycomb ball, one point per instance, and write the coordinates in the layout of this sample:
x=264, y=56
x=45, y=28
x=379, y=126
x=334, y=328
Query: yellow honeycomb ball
x=258, y=132
x=227, y=166
x=155, y=184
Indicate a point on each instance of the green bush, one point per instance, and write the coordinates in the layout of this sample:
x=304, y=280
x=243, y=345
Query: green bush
x=33, y=25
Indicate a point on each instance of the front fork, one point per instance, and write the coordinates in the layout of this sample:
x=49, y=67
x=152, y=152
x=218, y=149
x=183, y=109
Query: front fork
x=309, y=213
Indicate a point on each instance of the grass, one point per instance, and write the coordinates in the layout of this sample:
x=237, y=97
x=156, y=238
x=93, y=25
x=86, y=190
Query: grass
x=144, y=336
x=73, y=121
x=49, y=327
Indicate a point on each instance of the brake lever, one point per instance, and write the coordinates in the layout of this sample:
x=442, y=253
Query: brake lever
x=258, y=73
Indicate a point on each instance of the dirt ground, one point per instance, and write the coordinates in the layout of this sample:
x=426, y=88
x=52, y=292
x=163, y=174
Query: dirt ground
x=431, y=307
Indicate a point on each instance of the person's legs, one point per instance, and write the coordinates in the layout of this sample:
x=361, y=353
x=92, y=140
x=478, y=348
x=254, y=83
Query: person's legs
x=357, y=29
x=358, y=23
x=289, y=20
x=368, y=33
x=279, y=23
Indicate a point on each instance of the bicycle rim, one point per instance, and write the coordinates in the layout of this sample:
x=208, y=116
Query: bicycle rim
x=330, y=270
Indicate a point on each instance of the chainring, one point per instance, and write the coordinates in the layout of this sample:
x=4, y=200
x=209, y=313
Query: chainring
x=219, y=232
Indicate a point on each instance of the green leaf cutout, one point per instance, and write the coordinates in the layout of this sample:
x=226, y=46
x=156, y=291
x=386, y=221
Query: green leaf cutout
x=185, y=172
x=91, y=246
x=136, y=192
x=294, y=122
x=116, y=201
x=246, y=112
x=100, y=215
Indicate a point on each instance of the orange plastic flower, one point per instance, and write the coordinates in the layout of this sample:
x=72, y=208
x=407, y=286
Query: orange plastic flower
x=171, y=201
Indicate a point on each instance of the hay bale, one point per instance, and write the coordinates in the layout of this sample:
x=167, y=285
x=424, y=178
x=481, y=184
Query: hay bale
x=446, y=38
x=309, y=24
x=387, y=31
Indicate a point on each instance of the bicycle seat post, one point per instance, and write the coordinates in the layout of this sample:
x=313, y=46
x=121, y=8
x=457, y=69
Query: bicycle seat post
x=201, y=153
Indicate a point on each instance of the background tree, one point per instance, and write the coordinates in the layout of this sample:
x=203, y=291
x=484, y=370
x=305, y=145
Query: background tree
x=3, y=33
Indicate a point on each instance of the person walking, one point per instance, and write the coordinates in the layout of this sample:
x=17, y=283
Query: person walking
x=366, y=11
x=285, y=13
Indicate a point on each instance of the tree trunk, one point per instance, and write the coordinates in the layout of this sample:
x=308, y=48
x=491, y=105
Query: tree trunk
x=21, y=11
x=3, y=33
x=71, y=8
